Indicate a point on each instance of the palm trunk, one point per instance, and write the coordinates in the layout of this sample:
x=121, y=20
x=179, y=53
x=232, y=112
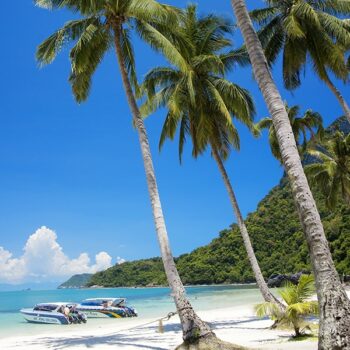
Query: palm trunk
x=339, y=97
x=267, y=295
x=297, y=331
x=192, y=326
x=334, y=304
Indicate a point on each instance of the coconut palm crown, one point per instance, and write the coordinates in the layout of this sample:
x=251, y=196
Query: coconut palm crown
x=331, y=171
x=199, y=100
x=310, y=122
x=307, y=31
x=93, y=35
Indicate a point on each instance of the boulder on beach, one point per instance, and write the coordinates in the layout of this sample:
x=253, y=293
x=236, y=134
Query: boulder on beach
x=278, y=280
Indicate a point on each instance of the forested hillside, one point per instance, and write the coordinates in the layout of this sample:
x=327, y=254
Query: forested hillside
x=276, y=235
x=277, y=238
x=76, y=281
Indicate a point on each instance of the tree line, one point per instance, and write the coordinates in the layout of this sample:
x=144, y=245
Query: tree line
x=204, y=105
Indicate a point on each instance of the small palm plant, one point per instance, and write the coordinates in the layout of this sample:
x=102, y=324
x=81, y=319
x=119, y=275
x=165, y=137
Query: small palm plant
x=298, y=304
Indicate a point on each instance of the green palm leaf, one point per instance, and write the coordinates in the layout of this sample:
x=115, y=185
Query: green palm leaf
x=298, y=304
x=300, y=29
x=331, y=173
x=310, y=122
x=194, y=89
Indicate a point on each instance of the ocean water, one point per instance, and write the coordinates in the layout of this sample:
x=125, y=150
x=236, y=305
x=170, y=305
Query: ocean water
x=149, y=302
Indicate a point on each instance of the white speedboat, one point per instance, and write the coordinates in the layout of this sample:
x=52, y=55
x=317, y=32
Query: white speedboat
x=106, y=307
x=54, y=313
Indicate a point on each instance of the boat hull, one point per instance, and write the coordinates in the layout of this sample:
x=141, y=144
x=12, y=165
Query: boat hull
x=44, y=318
x=100, y=312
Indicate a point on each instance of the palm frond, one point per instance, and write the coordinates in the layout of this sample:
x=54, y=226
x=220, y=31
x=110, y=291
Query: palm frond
x=85, y=57
x=84, y=7
x=238, y=57
x=264, y=15
x=71, y=31
x=160, y=42
x=267, y=309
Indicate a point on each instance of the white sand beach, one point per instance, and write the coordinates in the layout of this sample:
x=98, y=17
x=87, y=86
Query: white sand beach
x=236, y=324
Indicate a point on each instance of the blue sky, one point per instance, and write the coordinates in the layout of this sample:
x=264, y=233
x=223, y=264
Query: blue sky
x=77, y=169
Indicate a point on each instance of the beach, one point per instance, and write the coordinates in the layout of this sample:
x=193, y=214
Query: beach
x=229, y=310
x=234, y=324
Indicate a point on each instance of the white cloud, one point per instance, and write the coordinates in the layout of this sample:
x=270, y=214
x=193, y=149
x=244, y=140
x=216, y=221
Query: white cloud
x=103, y=262
x=43, y=259
x=120, y=260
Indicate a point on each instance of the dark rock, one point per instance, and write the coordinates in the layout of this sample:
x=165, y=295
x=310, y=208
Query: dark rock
x=346, y=278
x=278, y=280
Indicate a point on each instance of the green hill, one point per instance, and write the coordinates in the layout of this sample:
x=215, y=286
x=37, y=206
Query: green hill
x=76, y=281
x=276, y=235
x=277, y=238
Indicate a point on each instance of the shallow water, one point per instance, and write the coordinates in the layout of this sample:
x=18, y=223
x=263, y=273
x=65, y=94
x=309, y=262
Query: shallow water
x=149, y=302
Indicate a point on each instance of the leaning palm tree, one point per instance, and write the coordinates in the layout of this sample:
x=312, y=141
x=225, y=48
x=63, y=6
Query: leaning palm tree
x=334, y=304
x=105, y=24
x=331, y=171
x=201, y=102
x=310, y=122
x=303, y=29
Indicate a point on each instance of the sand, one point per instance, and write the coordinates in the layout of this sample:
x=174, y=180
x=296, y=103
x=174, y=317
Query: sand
x=236, y=324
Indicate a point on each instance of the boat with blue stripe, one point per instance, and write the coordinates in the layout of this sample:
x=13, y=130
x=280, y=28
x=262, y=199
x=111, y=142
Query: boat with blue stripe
x=106, y=308
x=61, y=313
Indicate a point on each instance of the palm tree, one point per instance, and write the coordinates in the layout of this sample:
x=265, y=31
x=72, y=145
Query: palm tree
x=300, y=125
x=105, y=24
x=331, y=172
x=334, y=304
x=297, y=298
x=201, y=103
x=307, y=28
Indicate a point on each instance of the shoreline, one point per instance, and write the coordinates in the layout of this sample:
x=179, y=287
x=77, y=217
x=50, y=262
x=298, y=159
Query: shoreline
x=253, y=284
x=154, y=287
x=236, y=324
x=134, y=287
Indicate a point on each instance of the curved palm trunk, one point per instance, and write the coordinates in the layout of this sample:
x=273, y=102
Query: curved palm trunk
x=192, y=326
x=267, y=295
x=334, y=304
x=339, y=97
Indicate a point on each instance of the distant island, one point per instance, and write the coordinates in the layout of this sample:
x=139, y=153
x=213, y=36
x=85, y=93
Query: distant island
x=76, y=281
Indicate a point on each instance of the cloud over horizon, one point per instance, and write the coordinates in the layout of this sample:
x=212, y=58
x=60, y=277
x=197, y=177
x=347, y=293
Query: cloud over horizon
x=43, y=260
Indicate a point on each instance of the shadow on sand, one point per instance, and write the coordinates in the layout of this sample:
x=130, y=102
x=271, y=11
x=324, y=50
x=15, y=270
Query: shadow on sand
x=144, y=337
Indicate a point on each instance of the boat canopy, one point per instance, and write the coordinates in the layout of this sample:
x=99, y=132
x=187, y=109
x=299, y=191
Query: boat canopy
x=51, y=306
x=103, y=301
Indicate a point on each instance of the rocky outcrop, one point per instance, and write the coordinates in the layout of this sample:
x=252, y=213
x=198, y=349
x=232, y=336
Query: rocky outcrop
x=278, y=280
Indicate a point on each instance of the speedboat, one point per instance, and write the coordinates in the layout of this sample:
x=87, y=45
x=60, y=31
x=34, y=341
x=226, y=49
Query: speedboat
x=106, y=307
x=54, y=313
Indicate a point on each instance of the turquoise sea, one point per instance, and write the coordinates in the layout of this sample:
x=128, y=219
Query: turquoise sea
x=149, y=302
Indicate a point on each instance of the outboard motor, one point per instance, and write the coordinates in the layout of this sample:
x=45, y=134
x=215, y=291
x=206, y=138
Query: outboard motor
x=82, y=317
x=130, y=311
